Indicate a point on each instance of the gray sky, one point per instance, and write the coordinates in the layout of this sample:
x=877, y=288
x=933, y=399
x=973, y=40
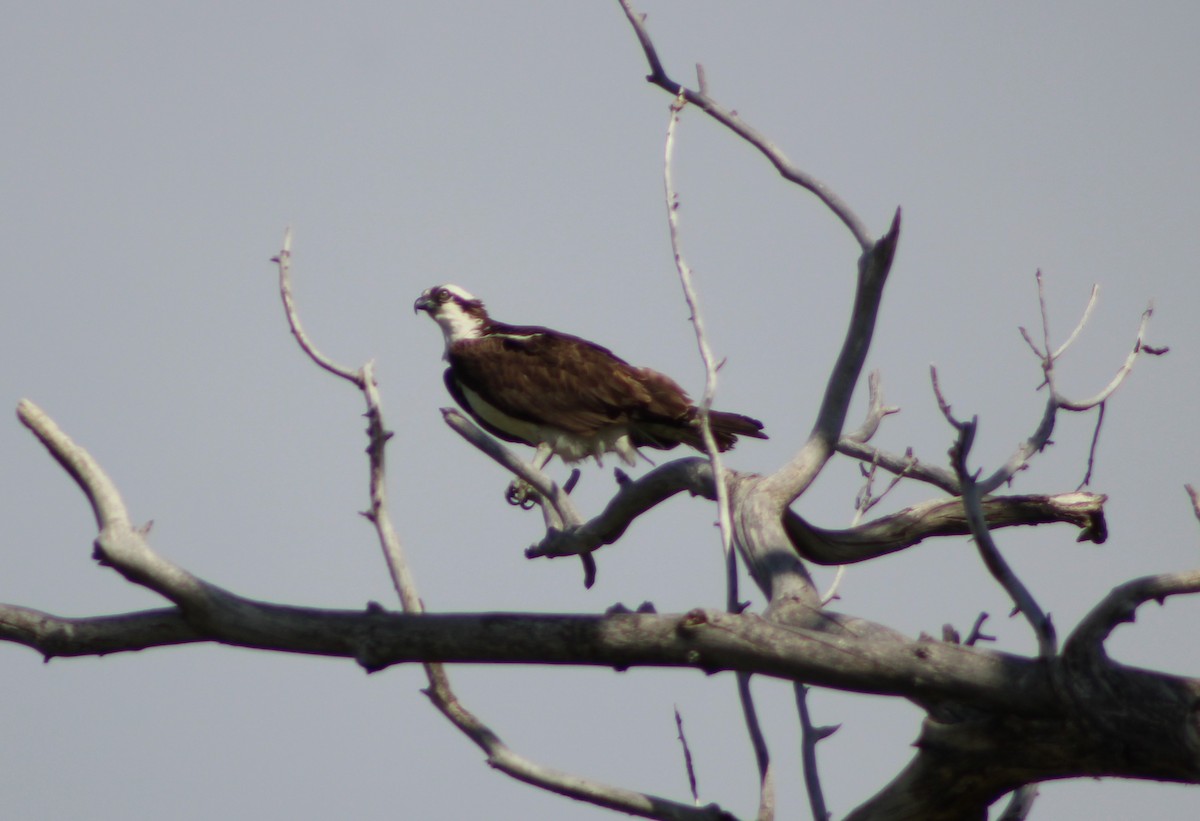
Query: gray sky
x=152, y=155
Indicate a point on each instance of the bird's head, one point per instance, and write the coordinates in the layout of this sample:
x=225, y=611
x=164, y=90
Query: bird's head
x=460, y=315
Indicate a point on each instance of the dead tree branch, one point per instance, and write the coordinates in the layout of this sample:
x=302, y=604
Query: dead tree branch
x=992, y=559
x=658, y=76
x=500, y=755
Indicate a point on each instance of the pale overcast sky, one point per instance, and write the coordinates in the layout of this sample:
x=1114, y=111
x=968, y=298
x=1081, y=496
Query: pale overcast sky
x=152, y=156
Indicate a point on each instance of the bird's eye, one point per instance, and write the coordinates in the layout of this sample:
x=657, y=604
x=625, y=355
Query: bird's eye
x=442, y=295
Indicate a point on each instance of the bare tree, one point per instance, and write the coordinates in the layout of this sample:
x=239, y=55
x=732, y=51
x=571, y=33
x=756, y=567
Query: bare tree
x=996, y=723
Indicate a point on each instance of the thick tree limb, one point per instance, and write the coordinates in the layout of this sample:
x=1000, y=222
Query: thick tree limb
x=55, y=636
x=707, y=640
x=944, y=517
x=873, y=267
x=879, y=537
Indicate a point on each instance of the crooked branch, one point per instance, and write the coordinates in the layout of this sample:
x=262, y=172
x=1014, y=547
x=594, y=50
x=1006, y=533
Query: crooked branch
x=559, y=511
x=972, y=502
x=440, y=692
x=658, y=76
x=870, y=540
x=1120, y=606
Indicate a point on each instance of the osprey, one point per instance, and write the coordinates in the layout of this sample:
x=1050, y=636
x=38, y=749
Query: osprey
x=561, y=394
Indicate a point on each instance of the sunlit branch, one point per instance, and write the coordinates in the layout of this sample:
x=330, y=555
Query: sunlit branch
x=377, y=435
x=706, y=356
x=1139, y=346
x=758, y=740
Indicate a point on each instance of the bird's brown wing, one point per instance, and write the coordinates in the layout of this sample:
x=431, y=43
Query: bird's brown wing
x=555, y=379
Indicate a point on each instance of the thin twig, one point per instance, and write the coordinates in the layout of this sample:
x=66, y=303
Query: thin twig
x=1083, y=320
x=284, y=261
x=377, y=436
x=1091, y=461
x=810, y=736
x=687, y=756
x=730, y=120
x=977, y=635
x=876, y=411
x=766, y=773
x=906, y=463
x=1043, y=628
x=1139, y=346
x=1056, y=401
x=1195, y=497
x=704, y=408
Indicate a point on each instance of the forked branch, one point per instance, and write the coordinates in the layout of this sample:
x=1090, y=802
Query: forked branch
x=972, y=502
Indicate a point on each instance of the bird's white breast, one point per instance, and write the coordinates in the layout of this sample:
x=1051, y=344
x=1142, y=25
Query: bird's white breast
x=567, y=446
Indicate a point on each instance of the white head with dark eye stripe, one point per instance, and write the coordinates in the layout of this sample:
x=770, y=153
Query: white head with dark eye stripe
x=459, y=314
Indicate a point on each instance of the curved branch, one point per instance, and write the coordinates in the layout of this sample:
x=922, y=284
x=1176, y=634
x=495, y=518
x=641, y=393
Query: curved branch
x=944, y=517
x=633, y=498
x=1025, y=451
x=118, y=543
x=107, y=505
x=284, y=260
x=1120, y=606
x=1139, y=346
x=873, y=267
x=879, y=537
x=876, y=411
x=559, y=511
x=1083, y=320
x=972, y=502
x=658, y=76
x=1195, y=497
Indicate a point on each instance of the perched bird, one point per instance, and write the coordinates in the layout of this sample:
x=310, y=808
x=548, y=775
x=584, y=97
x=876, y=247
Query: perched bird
x=561, y=394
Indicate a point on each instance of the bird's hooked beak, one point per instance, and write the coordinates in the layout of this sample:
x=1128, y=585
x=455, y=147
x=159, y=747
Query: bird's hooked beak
x=423, y=303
